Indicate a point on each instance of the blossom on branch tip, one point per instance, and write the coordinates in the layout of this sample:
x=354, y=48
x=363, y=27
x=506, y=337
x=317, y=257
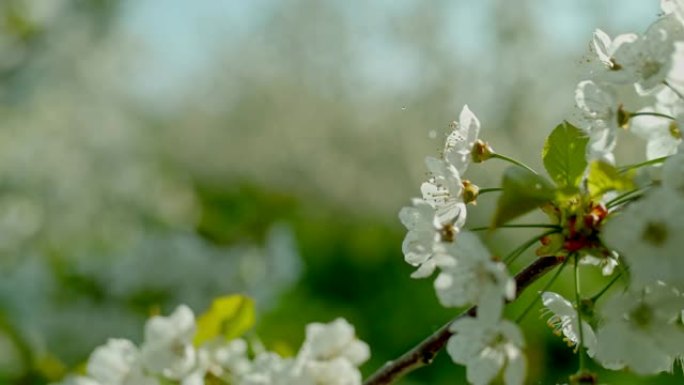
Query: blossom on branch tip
x=605, y=47
x=459, y=143
x=644, y=61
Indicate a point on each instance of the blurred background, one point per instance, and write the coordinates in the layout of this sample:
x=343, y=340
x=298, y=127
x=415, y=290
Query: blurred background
x=158, y=152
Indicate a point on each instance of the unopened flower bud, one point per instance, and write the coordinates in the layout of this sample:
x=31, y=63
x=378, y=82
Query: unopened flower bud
x=470, y=192
x=481, y=151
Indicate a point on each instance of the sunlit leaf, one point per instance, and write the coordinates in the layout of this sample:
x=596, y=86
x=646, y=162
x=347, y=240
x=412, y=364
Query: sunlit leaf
x=228, y=317
x=564, y=156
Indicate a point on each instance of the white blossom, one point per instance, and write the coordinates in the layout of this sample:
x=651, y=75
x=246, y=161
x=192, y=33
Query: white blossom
x=605, y=47
x=641, y=331
x=437, y=217
x=329, y=355
x=338, y=371
x=673, y=174
x=564, y=321
x=469, y=276
x=271, y=369
x=333, y=340
x=419, y=243
x=486, y=346
x=647, y=234
x=168, y=348
x=444, y=192
x=645, y=61
x=230, y=357
x=668, y=6
x=600, y=109
x=197, y=374
x=673, y=7
x=117, y=363
x=459, y=143
x=663, y=135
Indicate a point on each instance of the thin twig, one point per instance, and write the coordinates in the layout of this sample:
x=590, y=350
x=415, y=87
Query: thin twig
x=423, y=353
x=518, y=226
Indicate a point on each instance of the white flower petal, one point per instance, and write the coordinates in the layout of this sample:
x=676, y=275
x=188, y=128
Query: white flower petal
x=514, y=374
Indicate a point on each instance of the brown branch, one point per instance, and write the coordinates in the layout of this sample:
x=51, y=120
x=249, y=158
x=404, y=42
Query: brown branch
x=423, y=353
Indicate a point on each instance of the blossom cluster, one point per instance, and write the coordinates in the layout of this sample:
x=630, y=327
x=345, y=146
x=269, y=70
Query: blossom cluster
x=653, y=63
x=330, y=354
x=640, y=328
x=195, y=272
x=468, y=273
x=628, y=223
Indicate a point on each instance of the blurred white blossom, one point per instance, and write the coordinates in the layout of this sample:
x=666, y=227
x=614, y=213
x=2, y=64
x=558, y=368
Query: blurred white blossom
x=640, y=330
x=486, y=347
x=469, y=276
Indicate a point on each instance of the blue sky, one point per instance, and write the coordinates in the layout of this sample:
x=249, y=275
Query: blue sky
x=185, y=36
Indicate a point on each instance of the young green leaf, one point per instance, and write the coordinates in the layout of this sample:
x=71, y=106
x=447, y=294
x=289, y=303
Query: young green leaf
x=523, y=191
x=229, y=317
x=603, y=177
x=564, y=156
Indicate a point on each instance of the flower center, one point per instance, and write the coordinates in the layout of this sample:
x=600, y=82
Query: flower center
x=447, y=233
x=675, y=131
x=613, y=65
x=655, y=233
x=642, y=315
x=650, y=68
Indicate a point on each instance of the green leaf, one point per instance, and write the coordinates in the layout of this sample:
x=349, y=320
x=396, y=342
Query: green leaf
x=604, y=177
x=230, y=317
x=523, y=191
x=564, y=156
